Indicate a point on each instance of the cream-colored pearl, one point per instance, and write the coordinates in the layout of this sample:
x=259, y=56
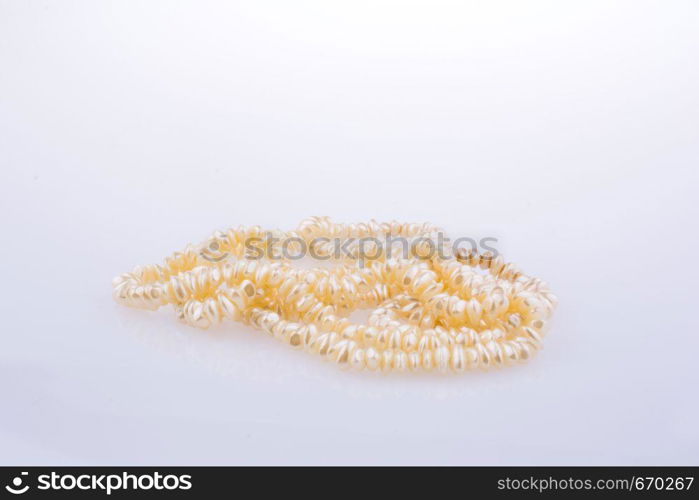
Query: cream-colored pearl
x=296, y=338
x=229, y=309
x=442, y=358
x=400, y=361
x=458, y=362
x=342, y=353
x=386, y=361
x=414, y=361
x=358, y=361
x=372, y=359
x=428, y=360
x=484, y=357
x=428, y=311
x=472, y=357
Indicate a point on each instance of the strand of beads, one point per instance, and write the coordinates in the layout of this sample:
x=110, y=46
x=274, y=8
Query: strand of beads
x=450, y=312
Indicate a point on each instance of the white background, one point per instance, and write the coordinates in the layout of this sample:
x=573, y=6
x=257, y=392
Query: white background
x=568, y=130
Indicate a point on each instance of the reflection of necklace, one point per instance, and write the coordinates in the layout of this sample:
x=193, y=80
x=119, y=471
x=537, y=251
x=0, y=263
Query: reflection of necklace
x=430, y=311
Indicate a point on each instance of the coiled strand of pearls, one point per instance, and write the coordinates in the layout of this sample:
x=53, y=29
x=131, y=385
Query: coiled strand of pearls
x=449, y=312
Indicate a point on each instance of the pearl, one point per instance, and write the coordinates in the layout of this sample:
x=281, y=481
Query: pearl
x=372, y=359
x=400, y=361
x=358, y=361
x=414, y=361
x=454, y=312
x=458, y=362
x=296, y=339
x=427, y=360
x=386, y=361
x=442, y=358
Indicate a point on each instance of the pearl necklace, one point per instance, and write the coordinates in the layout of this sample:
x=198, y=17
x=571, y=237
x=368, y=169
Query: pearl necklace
x=429, y=312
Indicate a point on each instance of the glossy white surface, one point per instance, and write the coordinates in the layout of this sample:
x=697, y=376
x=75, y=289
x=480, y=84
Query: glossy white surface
x=569, y=132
